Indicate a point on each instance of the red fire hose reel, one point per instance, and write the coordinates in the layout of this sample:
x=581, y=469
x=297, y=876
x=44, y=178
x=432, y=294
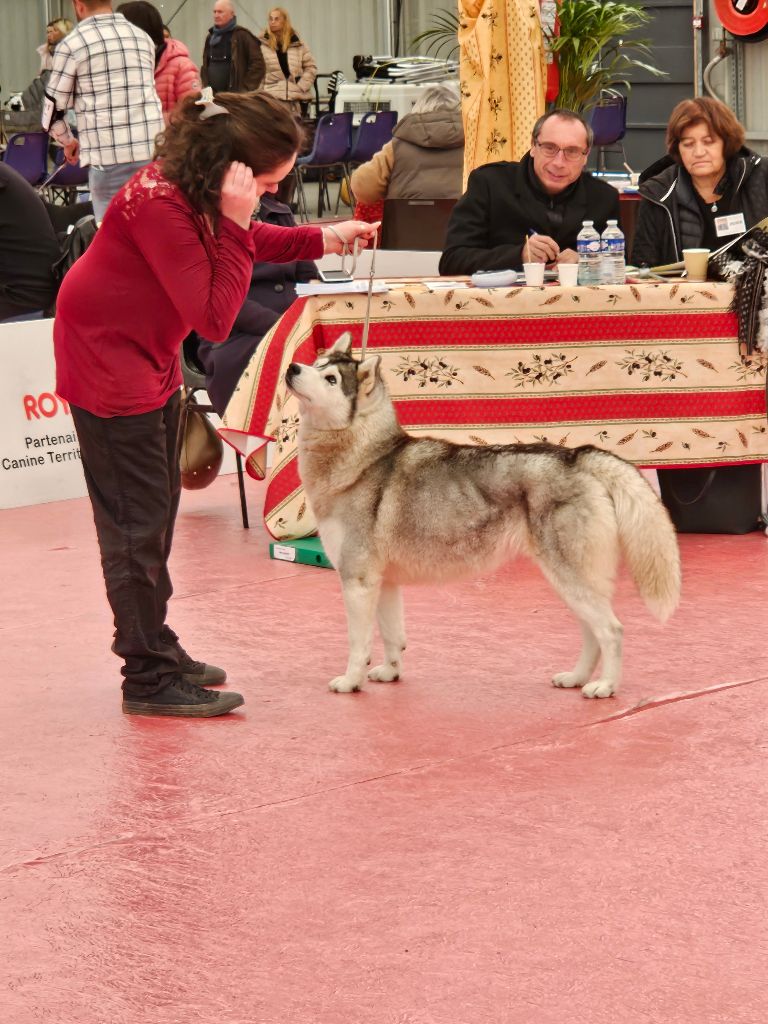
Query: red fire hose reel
x=747, y=20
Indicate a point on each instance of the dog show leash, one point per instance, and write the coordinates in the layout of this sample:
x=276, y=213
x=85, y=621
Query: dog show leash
x=371, y=274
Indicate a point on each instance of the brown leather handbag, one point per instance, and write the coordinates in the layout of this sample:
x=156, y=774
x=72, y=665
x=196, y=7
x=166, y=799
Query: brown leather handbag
x=201, y=450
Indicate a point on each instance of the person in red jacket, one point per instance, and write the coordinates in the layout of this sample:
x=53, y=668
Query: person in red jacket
x=176, y=74
x=174, y=253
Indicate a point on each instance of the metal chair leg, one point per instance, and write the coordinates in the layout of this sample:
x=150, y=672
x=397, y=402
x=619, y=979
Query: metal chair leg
x=241, y=486
x=301, y=196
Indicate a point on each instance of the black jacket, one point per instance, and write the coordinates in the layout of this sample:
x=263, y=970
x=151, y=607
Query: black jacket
x=247, y=66
x=669, y=219
x=28, y=248
x=491, y=221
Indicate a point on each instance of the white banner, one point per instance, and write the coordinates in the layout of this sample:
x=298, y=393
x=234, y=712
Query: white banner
x=39, y=451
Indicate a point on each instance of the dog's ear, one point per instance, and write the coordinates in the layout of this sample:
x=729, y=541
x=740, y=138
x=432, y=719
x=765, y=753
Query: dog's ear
x=368, y=375
x=342, y=346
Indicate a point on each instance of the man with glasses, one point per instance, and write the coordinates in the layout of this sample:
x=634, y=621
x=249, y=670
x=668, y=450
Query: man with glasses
x=531, y=211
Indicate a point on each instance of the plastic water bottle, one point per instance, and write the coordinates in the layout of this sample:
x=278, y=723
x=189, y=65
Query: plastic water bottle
x=588, y=248
x=612, y=254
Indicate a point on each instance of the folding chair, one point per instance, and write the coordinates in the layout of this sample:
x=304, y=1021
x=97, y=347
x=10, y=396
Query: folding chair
x=609, y=125
x=418, y=224
x=27, y=153
x=330, y=149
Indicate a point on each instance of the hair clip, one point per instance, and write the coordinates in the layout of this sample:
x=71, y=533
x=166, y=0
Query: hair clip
x=210, y=109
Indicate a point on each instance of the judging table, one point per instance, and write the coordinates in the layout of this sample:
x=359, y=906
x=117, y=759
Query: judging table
x=651, y=371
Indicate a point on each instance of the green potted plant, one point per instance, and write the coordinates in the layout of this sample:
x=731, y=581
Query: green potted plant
x=594, y=47
x=593, y=50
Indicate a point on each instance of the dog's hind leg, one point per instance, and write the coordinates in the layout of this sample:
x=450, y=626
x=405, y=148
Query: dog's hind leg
x=587, y=663
x=601, y=630
x=585, y=583
x=392, y=629
x=361, y=595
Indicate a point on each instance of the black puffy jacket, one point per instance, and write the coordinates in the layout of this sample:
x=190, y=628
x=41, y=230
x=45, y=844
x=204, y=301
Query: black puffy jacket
x=669, y=219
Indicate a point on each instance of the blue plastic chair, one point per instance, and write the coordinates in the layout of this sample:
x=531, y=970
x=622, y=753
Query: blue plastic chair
x=609, y=125
x=67, y=180
x=330, y=149
x=374, y=131
x=27, y=154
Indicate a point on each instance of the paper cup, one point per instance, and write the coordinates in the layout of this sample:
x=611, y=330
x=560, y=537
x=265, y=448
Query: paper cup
x=568, y=274
x=696, y=264
x=534, y=273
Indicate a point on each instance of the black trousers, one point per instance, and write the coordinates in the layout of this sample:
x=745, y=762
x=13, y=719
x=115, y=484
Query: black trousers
x=131, y=466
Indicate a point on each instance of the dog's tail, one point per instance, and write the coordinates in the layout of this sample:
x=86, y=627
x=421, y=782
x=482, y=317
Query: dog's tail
x=646, y=534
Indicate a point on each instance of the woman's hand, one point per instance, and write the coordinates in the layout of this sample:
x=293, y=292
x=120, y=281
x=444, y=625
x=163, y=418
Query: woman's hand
x=336, y=235
x=239, y=194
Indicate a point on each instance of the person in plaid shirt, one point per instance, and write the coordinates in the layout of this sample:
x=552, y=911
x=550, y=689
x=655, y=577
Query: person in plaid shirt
x=105, y=68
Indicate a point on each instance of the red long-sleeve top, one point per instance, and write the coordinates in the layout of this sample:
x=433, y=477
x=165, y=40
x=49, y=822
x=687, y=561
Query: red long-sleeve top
x=154, y=272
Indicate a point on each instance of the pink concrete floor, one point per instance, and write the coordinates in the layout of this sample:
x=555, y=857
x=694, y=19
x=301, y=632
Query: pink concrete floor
x=470, y=846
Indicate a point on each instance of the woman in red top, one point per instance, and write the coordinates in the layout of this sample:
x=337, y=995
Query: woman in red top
x=174, y=253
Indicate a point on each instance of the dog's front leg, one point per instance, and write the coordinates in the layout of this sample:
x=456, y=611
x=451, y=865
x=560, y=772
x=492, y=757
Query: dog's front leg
x=361, y=594
x=392, y=629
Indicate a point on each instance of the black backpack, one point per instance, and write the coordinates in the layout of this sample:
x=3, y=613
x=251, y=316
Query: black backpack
x=74, y=244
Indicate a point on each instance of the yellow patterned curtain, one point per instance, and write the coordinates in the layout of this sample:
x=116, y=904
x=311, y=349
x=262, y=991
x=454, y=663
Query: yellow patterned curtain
x=502, y=78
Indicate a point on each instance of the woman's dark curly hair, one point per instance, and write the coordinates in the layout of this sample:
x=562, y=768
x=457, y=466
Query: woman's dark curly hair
x=259, y=131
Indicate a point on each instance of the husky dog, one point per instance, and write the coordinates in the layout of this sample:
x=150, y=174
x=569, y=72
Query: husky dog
x=395, y=509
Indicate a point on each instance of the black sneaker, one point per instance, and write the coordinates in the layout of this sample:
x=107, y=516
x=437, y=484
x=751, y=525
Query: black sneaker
x=183, y=699
x=198, y=672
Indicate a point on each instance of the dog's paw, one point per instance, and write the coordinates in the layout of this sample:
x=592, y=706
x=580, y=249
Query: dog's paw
x=385, y=674
x=567, y=679
x=343, y=684
x=598, y=688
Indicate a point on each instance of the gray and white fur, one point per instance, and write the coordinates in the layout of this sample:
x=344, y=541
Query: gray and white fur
x=394, y=509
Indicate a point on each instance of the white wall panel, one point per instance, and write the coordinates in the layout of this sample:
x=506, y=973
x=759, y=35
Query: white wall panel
x=23, y=29
x=334, y=30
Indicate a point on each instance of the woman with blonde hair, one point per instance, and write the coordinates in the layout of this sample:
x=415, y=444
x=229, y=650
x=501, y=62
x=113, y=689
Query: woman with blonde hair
x=54, y=32
x=290, y=67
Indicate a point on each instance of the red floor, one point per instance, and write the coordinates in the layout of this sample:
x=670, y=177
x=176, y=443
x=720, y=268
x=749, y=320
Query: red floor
x=471, y=846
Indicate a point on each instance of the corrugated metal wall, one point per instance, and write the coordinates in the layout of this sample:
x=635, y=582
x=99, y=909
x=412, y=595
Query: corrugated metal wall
x=335, y=29
x=338, y=29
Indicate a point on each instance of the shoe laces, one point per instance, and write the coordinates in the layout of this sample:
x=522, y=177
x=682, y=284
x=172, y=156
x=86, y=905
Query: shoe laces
x=187, y=664
x=196, y=691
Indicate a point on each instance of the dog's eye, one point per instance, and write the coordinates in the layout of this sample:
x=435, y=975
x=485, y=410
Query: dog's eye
x=332, y=379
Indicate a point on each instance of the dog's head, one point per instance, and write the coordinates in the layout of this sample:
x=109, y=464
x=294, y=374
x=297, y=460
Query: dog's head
x=336, y=388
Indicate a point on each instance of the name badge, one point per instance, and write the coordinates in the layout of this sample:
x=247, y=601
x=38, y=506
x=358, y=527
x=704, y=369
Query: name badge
x=730, y=225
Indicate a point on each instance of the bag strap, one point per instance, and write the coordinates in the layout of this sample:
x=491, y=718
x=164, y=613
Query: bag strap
x=705, y=487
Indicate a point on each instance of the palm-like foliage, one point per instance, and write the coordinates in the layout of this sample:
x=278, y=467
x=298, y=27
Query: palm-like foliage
x=593, y=52
x=444, y=34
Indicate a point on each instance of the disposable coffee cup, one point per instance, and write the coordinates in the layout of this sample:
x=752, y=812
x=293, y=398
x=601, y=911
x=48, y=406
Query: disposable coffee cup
x=696, y=261
x=534, y=273
x=568, y=274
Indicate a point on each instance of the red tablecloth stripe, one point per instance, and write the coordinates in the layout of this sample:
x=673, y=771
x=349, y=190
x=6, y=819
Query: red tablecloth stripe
x=590, y=408
x=402, y=332
x=270, y=372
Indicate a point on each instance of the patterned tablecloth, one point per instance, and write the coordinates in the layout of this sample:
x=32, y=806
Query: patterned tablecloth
x=650, y=371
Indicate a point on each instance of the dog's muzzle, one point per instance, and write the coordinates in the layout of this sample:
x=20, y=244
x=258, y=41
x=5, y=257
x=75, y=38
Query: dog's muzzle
x=292, y=373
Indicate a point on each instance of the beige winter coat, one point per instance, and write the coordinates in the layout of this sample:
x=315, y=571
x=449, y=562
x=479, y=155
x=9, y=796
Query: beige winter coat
x=423, y=161
x=302, y=71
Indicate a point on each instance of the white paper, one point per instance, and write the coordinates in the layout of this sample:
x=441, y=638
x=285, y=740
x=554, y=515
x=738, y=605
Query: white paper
x=337, y=288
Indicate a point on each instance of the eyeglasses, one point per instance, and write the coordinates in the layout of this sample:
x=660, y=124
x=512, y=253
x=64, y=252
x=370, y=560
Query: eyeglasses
x=549, y=149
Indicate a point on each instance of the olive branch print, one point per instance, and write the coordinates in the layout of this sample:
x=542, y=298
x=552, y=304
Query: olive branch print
x=542, y=371
x=749, y=368
x=287, y=431
x=427, y=371
x=648, y=365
